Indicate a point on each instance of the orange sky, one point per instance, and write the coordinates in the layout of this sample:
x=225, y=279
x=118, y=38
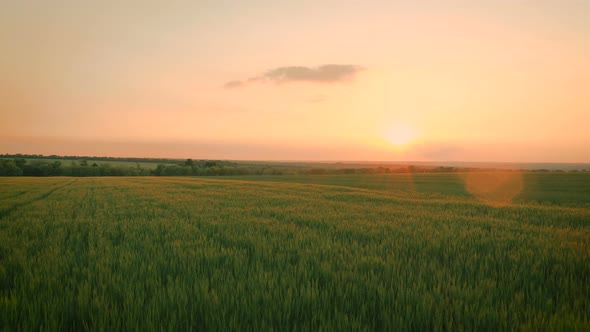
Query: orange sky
x=463, y=81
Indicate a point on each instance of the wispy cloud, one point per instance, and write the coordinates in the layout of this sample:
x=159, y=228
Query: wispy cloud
x=323, y=74
x=233, y=84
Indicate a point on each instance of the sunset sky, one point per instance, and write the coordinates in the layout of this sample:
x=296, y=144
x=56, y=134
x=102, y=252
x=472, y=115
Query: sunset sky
x=297, y=80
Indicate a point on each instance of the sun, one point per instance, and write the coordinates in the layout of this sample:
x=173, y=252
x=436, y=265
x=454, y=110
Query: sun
x=400, y=134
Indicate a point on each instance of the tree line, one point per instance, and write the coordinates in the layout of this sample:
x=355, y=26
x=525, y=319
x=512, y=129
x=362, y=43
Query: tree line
x=93, y=167
x=65, y=166
x=23, y=167
x=90, y=158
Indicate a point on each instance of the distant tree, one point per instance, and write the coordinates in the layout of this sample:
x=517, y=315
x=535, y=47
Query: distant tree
x=20, y=162
x=317, y=171
x=189, y=163
x=9, y=168
x=159, y=170
x=55, y=168
x=84, y=163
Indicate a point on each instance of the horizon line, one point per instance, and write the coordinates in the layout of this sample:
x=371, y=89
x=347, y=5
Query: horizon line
x=405, y=162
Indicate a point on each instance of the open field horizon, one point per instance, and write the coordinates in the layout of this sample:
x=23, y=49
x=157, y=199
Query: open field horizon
x=150, y=162
x=295, y=165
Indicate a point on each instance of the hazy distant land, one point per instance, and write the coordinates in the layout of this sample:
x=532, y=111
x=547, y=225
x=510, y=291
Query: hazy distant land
x=53, y=165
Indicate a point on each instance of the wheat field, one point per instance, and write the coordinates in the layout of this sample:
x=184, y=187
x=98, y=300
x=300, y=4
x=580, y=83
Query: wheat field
x=160, y=253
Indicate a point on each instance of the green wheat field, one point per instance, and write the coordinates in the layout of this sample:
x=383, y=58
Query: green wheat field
x=353, y=252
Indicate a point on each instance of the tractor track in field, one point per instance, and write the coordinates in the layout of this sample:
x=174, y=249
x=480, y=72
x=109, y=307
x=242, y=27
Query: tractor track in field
x=18, y=194
x=6, y=212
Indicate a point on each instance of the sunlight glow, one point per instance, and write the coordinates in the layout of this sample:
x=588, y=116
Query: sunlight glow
x=400, y=134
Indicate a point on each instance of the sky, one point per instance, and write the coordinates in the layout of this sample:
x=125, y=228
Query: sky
x=505, y=81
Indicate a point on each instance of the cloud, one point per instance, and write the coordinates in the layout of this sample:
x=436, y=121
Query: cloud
x=322, y=74
x=233, y=84
x=325, y=73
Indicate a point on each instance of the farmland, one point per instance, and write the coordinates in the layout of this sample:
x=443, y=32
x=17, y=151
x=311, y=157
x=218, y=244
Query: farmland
x=362, y=252
x=554, y=188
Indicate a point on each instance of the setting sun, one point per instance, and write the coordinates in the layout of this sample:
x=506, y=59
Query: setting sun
x=400, y=134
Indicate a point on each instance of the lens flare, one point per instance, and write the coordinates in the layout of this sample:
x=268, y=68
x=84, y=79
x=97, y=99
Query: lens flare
x=494, y=188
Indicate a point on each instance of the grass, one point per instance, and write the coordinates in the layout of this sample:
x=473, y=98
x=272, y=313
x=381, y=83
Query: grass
x=336, y=253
